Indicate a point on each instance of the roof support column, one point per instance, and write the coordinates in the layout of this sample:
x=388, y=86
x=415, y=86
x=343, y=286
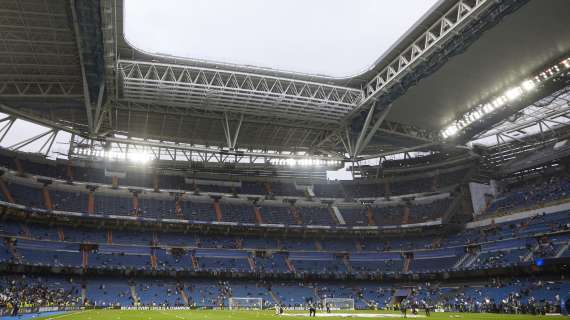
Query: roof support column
x=363, y=131
x=86, y=97
x=99, y=116
x=236, y=134
x=6, y=127
x=226, y=126
x=18, y=145
x=231, y=140
x=374, y=129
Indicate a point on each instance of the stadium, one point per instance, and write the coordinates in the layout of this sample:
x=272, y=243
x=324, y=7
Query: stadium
x=224, y=159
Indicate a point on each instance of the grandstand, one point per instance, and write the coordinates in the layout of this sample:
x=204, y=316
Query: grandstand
x=140, y=184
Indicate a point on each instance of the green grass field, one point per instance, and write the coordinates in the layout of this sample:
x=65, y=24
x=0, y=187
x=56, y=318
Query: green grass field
x=261, y=315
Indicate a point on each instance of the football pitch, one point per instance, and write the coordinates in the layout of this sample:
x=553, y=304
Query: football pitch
x=261, y=315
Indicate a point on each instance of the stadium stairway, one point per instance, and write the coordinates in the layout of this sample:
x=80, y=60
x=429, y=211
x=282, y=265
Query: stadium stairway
x=251, y=263
x=290, y=265
x=359, y=295
x=84, y=258
x=195, y=263
x=153, y=259
x=461, y=261
x=258, y=216
x=136, y=206
x=470, y=259
x=91, y=202
x=563, y=249
x=334, y=219
x=156, y=182
x=218, y=211
x=134, y=294
x=370, y=214
x=337, y=215
x=83, y=294
x=178, y=208
x=406, y=215
x=274, y=297
x=182, y=293
x=115, y=182
x=309, y=192
x=407, y=263
x=47, y=199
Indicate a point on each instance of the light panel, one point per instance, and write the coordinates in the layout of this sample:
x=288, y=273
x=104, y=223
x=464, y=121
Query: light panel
x=512, y=94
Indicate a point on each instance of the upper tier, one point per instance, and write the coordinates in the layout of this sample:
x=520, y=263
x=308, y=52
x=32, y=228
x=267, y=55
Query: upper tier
x=106, y=201
x=189, y=180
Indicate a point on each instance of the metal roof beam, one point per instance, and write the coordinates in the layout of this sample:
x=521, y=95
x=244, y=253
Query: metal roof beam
x=402, y=150
x=185, y=147
x=86, y=96
x=244, y=92
x=446, y=25
x=373, y=130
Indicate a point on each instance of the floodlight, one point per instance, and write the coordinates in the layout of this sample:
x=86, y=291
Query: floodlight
x=528, y=85
x=140, y=157
x=513, y=93
x=499, y=102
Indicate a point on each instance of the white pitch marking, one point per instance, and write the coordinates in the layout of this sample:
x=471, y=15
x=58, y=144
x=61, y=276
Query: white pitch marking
x=67, y=314
x=354, y=315
x=176, y=315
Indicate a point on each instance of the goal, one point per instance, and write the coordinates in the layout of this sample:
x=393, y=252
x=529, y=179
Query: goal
x=339, y=303
x=245, y=303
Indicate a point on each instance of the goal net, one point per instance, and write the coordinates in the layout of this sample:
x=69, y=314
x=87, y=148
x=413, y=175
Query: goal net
x=245, y=303
x=338, y=303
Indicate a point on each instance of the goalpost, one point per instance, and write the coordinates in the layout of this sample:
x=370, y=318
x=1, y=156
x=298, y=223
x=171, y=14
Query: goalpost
x=338, y=303
x=245, y=303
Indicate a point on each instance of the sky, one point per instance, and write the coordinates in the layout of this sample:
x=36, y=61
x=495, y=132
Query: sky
x=337, y=38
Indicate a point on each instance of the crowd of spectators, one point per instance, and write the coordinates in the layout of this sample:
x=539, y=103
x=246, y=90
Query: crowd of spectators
x=530, y=194
x=21, y=293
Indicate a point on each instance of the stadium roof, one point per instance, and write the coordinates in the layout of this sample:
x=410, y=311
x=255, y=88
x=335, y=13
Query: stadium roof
x=336, y=38
x=68, y=64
